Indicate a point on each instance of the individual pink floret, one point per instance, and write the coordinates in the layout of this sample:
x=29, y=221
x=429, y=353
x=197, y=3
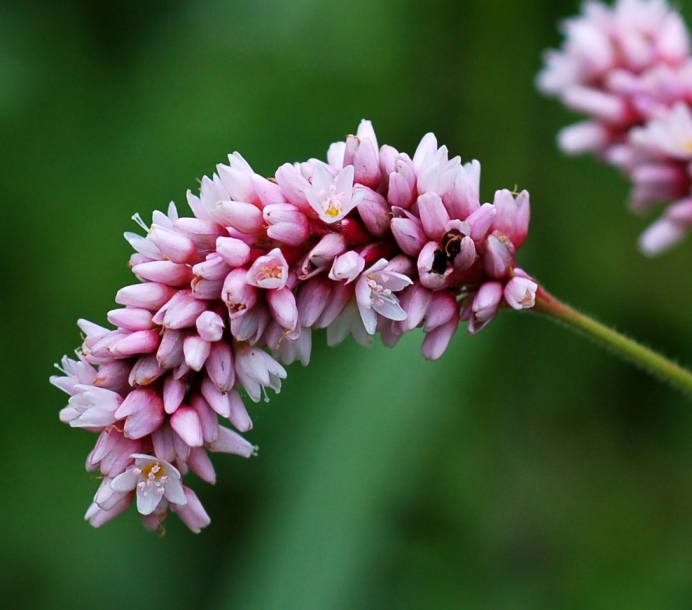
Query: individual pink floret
x=152, y=480
x=332, y=197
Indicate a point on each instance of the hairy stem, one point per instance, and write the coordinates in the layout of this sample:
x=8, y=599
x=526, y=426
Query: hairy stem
x=624, y=346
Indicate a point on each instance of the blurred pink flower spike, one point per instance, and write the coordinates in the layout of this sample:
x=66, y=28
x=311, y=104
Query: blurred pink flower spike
x=628, y=68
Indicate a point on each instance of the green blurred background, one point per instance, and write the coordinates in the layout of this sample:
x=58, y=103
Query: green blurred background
x=526, y=469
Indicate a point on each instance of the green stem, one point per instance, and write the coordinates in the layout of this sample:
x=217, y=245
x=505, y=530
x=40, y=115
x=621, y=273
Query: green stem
x=623, y=346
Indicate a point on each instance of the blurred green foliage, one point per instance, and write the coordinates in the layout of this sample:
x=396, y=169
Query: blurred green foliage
x=526, y=469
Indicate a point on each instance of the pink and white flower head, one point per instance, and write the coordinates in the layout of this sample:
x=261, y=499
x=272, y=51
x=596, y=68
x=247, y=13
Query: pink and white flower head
x=373, y=240
x=628, y=68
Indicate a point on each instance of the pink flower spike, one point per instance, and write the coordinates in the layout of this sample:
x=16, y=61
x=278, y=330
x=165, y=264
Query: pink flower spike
x=153, y=480
x=269, y=272
x=374, y=295
x=192, y=513
x=370, y=241
x=520, y=293
x=332, y=197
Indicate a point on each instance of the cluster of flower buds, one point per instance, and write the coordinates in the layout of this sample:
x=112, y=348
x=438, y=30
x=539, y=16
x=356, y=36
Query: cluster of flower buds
x=371, y=241
x=629, y=69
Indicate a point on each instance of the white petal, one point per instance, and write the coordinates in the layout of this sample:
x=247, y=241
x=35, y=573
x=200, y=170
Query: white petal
x=147, y=500
x=390, y=309
x=175, y=493
x=126, y=481
x=369, y=318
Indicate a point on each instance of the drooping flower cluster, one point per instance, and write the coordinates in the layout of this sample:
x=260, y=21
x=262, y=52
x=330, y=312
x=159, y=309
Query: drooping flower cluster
x=628, y=68
x=371, y=241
